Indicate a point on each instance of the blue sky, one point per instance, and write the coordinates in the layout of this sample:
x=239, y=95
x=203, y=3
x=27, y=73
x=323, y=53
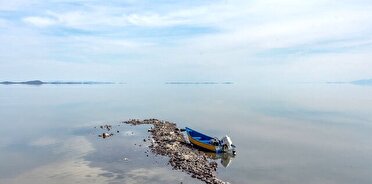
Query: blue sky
x=167, y=40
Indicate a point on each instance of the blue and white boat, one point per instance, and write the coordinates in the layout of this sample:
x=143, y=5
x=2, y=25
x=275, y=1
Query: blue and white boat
x=210, y=143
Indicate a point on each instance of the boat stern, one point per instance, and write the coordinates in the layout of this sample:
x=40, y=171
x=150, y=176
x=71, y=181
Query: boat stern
x=227, y=145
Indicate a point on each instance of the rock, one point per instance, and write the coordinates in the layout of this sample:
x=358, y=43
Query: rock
x=168, y=141
x=104, y=135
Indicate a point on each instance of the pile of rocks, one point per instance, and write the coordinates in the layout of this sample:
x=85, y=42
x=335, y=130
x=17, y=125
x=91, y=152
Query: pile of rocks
x=105, y=135
x=169, y=141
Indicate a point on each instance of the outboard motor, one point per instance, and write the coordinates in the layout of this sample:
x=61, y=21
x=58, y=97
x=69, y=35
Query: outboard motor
x=227, y=144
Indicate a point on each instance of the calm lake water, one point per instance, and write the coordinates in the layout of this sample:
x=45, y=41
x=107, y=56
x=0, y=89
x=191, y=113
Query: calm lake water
x=292, y=133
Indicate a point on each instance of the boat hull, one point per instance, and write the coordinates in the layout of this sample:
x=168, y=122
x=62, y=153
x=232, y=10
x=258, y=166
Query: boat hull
x=208, y=147
x=201, y=140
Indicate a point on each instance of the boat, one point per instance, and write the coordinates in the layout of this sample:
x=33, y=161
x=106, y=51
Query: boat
x=208, y=143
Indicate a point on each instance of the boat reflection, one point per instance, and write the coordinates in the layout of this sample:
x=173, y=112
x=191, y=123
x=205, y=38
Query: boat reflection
x=226, y=158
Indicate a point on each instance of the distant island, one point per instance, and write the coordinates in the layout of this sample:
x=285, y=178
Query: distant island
x=199, y=83
x=356, y=82
x=39, y=82
x=362, y=82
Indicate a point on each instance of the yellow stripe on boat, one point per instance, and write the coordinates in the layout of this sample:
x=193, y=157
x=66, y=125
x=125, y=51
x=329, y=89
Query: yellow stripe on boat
x=203, y=145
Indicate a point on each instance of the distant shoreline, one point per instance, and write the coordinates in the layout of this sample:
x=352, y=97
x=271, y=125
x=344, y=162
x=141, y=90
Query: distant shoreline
x=366, y=82
x=39, y=82
x=199, y=83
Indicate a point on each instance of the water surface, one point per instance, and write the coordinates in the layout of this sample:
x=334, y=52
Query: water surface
x=292, y=133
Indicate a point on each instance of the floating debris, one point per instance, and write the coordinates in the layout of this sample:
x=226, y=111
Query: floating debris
x=105, y=135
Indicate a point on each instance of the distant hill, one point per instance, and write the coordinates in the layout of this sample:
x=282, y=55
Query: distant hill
x=38, y=82
x=33, y=82
x=176, y=82
x=362, y=82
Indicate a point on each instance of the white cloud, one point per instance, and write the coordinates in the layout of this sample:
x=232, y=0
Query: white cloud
x=96, y=18
x=291, y=32
x=14, y=4
x=3, y=23
x=218, y=34
x=40, y=21
x=152, y=20
x=239, y=27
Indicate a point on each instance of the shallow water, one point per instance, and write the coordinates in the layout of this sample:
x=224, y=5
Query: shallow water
x=292, y=133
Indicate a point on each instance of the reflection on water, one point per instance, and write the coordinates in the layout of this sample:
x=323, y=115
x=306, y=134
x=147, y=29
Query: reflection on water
x=225, y=158
x=284, y=133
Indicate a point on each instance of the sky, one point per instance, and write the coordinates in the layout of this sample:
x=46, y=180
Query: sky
x=169, y=40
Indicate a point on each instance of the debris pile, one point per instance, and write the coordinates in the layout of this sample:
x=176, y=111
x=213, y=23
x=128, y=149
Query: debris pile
x=169, y=141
